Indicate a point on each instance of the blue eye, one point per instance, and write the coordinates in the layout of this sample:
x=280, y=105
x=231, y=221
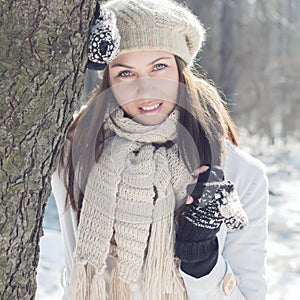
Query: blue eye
x=125, y=73
x=160, y=67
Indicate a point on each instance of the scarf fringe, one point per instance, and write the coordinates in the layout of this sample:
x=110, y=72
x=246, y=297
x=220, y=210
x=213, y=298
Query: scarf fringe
x=162, y=279
x=78, y=283
x=98, y=291
x=121, y=290
x=85, y=283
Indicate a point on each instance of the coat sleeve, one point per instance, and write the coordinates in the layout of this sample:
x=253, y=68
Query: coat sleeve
x=240, y=269
x=68, y=224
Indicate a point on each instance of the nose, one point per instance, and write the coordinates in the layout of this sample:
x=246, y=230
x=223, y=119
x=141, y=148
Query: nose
x=145, y=86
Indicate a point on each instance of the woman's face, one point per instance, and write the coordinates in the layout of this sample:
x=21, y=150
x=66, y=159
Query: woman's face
x=145, y=84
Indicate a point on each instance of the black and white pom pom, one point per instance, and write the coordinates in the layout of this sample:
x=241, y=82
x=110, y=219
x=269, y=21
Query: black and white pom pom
x=104, y=39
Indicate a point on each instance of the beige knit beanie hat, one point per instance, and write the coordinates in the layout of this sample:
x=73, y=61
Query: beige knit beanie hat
x=145, y=25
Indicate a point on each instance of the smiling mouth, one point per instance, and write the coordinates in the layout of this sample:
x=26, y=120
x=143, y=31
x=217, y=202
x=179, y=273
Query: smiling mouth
x=150, y=109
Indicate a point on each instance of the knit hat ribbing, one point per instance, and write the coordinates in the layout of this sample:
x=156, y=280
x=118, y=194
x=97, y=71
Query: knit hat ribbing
x=157, y=25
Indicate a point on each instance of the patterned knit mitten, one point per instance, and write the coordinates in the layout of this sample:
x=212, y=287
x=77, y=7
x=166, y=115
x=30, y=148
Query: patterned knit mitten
x=198, y=224
x=212, y=190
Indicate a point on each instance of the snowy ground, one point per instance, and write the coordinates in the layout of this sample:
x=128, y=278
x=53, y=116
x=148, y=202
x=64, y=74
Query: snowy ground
x=51, y=257
x=283, y=166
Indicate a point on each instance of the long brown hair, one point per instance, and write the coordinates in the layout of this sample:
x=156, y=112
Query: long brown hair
x=202, y=114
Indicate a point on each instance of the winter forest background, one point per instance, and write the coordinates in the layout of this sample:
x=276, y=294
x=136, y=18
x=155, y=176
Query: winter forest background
x=252, y=54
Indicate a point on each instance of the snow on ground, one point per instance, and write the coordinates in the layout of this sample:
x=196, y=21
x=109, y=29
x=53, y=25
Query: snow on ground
x=283, y=167
x=51, y=262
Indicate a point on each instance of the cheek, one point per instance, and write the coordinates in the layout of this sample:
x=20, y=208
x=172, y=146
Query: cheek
x=170, y=108
x=123, y=91
x=120, y=91
x=172, y=92
x=128, y=108
x=172, y=85
x=114, y=85
x=117, y=94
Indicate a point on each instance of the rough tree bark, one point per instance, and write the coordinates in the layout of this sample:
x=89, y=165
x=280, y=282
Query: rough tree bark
x=42, y=57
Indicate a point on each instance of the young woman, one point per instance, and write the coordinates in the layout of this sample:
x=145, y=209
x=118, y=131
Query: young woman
x=155, y=199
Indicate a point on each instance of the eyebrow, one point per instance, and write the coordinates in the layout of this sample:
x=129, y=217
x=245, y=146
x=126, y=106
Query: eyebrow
x=151, y=63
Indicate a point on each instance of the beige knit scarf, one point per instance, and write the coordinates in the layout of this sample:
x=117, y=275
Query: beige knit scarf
x=128, y=213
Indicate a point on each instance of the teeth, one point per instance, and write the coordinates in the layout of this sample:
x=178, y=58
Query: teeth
x=150, y=107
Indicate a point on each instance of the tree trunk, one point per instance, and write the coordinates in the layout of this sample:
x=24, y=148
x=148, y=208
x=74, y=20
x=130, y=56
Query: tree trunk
x=41, y=54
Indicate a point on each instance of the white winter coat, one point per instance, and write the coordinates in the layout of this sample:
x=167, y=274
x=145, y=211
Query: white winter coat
x=240, y=269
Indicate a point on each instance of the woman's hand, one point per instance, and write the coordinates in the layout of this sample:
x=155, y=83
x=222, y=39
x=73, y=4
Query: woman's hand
x=195, y=174
x=210, y=189
x=211, y=202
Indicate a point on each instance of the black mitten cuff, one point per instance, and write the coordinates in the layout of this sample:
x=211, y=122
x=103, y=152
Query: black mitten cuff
x=202, y=268
x=193, y=252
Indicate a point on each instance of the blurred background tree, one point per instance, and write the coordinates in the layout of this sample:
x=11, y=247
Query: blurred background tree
x=252, y=55
x=41, y=73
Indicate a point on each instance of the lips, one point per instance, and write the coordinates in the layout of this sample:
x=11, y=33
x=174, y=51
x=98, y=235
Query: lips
x=150, y=108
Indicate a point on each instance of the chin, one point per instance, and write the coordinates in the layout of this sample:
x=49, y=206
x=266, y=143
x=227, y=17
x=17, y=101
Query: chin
x=150, y=120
